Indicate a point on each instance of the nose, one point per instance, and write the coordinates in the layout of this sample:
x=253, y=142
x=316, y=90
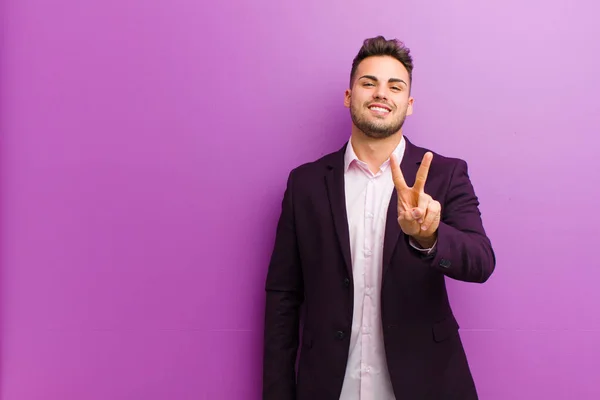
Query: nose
x=380, y=92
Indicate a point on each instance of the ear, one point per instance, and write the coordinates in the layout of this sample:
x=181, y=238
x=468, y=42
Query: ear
x=409, y=109
x=347, y=97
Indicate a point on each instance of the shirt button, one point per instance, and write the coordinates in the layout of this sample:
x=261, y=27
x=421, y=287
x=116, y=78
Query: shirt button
x=370, y=215
x=368, y=253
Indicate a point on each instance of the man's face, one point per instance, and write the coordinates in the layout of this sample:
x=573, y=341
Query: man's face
x=379, y=98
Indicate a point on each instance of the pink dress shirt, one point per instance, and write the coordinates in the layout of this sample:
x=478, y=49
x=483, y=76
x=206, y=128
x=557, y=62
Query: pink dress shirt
x=367, y=199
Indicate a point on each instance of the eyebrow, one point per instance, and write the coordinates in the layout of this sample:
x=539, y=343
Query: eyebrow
x=373, y=78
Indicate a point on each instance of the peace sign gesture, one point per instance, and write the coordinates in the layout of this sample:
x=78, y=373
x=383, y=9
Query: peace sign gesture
x=418, y=214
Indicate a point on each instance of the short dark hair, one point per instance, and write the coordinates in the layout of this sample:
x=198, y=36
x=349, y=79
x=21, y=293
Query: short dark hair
x=379, y=46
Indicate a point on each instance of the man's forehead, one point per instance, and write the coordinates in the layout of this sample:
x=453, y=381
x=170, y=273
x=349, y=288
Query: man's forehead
x=382, y=68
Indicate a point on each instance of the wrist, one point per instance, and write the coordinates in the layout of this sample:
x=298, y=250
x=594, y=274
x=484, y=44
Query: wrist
x=426, y=242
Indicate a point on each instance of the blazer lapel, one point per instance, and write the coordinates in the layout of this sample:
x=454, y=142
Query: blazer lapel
x=409, y=166
x=334, y=179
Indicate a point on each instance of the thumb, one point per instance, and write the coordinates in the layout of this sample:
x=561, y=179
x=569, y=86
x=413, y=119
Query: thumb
x=416, y=213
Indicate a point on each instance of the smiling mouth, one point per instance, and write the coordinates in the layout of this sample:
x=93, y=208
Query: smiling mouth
x=380, y=110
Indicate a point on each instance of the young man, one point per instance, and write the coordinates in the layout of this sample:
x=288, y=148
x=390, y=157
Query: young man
x=365, y=240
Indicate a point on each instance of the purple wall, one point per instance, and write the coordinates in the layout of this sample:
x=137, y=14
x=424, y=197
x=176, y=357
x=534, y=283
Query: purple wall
x=145, y=147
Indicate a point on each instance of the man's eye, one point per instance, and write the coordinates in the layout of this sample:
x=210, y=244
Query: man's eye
x=396, y=88
x=368, y=84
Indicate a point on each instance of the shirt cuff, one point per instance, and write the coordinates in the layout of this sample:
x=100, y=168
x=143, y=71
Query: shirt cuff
x=418, y=247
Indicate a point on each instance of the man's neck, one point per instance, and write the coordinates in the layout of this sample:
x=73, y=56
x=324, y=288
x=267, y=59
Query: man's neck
x=374, y=152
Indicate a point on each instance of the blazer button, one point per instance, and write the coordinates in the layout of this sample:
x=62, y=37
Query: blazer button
x=445, y=263
x=346, y=282
x=340, y=335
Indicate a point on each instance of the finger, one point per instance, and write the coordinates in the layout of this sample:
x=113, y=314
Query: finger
x=407, y=223
x=417, y=214
x=406, y=216
x=423, y=172
x=402, y=207
x=432, y=218
x=422, y=204
x=397, y=176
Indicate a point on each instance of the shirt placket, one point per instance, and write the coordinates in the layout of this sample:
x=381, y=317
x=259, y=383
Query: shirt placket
x=368, y=304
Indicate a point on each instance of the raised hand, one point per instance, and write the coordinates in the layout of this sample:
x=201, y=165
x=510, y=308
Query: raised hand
x=418, y=214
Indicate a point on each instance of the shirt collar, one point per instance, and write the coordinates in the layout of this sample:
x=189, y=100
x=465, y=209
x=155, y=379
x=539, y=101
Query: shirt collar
x=350, y=156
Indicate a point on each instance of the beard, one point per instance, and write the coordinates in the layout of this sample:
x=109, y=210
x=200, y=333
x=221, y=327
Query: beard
x=377, y=128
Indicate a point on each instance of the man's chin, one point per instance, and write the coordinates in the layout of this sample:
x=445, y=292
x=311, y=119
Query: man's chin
x=376, y=128
x=378, y=134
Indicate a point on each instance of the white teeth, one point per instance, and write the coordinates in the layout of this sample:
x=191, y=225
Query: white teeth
x=380, y=109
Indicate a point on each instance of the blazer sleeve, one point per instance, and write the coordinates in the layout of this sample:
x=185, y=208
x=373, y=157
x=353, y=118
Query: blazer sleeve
x=463, y=250
x=284, y=296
